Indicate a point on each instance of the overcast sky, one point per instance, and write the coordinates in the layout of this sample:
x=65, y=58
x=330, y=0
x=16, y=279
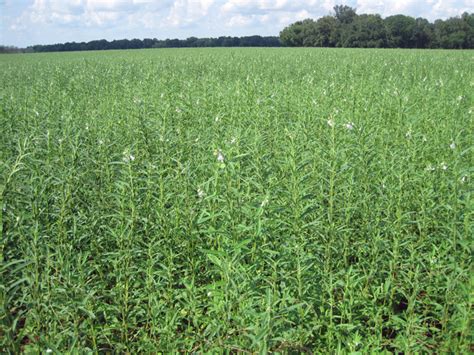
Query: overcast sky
x=27, y=22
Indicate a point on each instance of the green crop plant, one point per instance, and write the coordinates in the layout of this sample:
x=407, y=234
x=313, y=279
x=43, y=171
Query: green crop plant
x=236, y=200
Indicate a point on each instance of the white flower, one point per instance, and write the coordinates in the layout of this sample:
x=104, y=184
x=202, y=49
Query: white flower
x=217, y=119
x=264, y=202
x=460, y=98
x=127, y=157
x=49, y=351
x=331, y=123
x=424, y=139
x=200, y=193
x=349, y=126
x=101, y=141
x=463, y=179
x=178, y=110
x=444, y=166
x=220, y=157
x=452, y=145
x=430, y=168
x=408, y=134
x=233, y=140
x=87, y=127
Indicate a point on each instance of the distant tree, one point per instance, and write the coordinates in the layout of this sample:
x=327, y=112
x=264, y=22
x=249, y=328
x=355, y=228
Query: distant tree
x=325, y=32
x=400, y=31
x=469, y=20
x=148, y=43
x=294, y=34
x=454, y=33
x=10, y=49
x=344, y=14
x=366, y=31
x=423, y=33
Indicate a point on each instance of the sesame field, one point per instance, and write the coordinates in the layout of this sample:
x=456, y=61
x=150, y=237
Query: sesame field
x=237, y=200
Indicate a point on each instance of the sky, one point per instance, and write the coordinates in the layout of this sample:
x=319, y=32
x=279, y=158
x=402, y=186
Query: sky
x=28, y=22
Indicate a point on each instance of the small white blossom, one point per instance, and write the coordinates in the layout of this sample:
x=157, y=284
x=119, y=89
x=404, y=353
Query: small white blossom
x=200, y=193
x=127, y=157
x=49, y=351
x=217, y=119
x=101, y=141
x=233, y=140
x=178, y=110
x=264, y=202
x=452, y=145
x=430, y=168
x=424, y=139
x=220, y=157
x=444, y=166
x=463, y=179
x=408, y=134
x=349, y=126
x=460, y=98
x=331, y=123
x=87, y=127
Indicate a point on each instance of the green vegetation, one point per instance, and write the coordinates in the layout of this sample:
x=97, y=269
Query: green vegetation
x=347, y=29
x=236, y=199
x=191, y=42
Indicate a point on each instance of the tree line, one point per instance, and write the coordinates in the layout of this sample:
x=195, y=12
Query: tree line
x=348, y=29
x=246, y=41
x=344, y=28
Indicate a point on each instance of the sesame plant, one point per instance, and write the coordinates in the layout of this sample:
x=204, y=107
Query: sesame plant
x=236, y=200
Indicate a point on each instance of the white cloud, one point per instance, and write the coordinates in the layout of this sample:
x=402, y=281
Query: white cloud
x=431, y=9
x=185, y=12
x=46, y=21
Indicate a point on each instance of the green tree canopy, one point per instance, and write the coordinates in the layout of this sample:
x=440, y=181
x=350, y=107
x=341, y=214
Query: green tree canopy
x=401, y=31
x=345, y=28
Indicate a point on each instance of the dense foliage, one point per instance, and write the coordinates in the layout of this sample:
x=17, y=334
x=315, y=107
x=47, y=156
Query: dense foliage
x=347, y=29
x=10, y=49
x=256, y=200
x=246, y=41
